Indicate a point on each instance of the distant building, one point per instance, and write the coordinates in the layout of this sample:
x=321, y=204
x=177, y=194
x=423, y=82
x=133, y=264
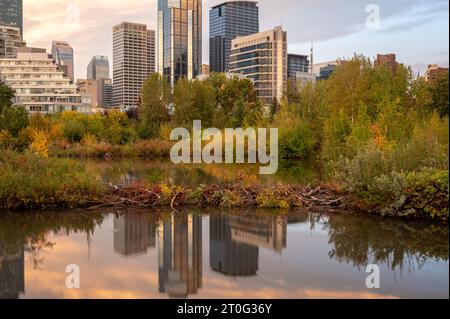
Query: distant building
x=30, y=50
x=10, y=41
x=388, y=60
x=180, y=39
x=98, y=68
x=326, y=71
x=62, y=54
x=205, y=69
x=11, y=13
x=316, y=67
x=101, y=91
x=40, y=86
x=133, y=61
x=434, y=72
x=228, y=21
x=228, y=75
x=262, y=57
x=299, y=69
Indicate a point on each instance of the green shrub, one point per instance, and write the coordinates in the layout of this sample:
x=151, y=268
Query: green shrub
x=296, y=142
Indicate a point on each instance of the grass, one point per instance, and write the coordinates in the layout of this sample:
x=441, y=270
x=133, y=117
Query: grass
x=142, y=148
x=29, y=181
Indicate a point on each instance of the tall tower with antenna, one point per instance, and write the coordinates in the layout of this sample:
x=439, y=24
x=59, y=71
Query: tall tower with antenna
x=312, y=58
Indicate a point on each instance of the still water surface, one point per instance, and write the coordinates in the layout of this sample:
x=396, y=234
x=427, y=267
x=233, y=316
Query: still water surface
x=232, y=254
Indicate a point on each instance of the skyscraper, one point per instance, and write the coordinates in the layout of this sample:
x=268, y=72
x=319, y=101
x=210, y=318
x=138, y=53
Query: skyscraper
x=98, y=68
x=262, y=57
x=180, y=38
x=11, y=13
x=228, y=21
x=133, y=61
x=62, y=54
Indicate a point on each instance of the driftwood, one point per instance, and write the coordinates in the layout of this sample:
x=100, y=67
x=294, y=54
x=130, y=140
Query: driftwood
x=144, y=196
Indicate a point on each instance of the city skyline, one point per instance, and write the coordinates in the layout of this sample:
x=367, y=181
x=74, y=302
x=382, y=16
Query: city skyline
x=337, y=32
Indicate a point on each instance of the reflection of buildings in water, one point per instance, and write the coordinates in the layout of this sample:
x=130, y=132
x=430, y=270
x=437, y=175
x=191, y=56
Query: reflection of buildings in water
x=12, y=282
x=227, y=256
x=133, y=235
x=260, y=231
x=180, y=256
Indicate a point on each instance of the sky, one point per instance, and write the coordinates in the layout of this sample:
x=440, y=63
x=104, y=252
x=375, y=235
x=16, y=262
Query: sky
x=416, y=30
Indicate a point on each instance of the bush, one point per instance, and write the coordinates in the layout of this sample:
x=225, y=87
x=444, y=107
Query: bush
x=297, y=142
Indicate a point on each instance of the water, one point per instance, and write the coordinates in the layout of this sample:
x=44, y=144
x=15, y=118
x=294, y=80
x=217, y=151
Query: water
x=227, y=254
x=128, y=171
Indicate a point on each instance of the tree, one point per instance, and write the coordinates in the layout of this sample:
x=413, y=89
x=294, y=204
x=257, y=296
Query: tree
x=13, y=119
x=439, y=93
x=154, y=108
x=6, y=96
x=348, y=87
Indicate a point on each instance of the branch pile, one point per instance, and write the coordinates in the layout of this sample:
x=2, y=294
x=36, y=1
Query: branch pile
x=276, y=196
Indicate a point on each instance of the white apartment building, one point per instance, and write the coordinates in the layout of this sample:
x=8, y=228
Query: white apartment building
x=40, y=85
x=262, y=57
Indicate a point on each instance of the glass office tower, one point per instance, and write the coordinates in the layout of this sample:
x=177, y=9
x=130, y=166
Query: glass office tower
x=11, y=13
x=62, y=54
x=98, y=68
x=179, y=38
x=228, y=21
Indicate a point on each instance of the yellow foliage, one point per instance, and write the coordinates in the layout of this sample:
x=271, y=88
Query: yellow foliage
x=380, y=140
x=89, y=140
x=5, y=138
x=164, y=132
x=39, y=143
x=56, y=132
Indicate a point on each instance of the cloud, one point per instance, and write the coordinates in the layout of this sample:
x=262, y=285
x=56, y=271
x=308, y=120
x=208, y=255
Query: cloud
x=305, y=21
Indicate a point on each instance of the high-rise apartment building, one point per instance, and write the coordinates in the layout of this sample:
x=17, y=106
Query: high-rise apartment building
x=98, y=68
x=228, y=21
x=11, y=13
x=179, y=39
x=62, y=54
x=133, y=61
x=262, y=57
x=40, y=85
x=10, y=40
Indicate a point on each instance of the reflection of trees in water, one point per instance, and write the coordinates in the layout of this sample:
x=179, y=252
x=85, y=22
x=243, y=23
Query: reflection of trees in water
x=361, y=240
x=31, y=231
x=126, y=171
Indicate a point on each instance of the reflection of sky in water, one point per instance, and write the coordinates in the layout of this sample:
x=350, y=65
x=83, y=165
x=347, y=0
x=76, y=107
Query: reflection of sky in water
x=134, y=256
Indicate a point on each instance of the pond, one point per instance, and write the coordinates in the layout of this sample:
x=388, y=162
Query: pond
x=128, y=171
x=220, y=254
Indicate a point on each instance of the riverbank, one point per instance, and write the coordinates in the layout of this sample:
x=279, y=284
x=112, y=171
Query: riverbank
x=29, y=181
